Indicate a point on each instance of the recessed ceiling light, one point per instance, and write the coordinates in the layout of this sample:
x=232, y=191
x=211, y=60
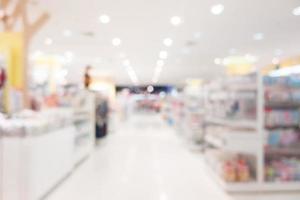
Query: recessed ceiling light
x=218, y=61
x=275, y=61
x=105, y=19
x=126, y=63
x=68, y=56
x=296, y=11
x=258, y=36
x=217, y=9
x=36, y=54
x=67, y=33
x=251, y=58
x=160, y=63
x=175, y=20
x=163, y=55
x=116, y=41
x=150, y=88
x=48, y=41
x=168, y=42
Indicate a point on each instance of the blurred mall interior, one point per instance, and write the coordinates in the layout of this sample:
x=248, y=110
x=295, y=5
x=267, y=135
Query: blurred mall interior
x=149, y=99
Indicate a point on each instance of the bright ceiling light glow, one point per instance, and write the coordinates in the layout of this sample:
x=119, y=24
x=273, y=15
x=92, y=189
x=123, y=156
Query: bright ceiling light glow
x=68, y=56
x=132, y=75
x=250, y=58
x=286, y=71
x=162, y=94
x=217, y=9
x=296, y=11
x=37, y=54
x=67, y=33
x=168, y=42
x=126, y=63
x=116, y=41
x=160, y=63
x=176, y=20
x=150, y=89
x=157, y=73
x=218, y=61
x=104, y=19
x=158, y=69
x=258, y=36
x=226, y=61
x=163, y=55
x=48, y=41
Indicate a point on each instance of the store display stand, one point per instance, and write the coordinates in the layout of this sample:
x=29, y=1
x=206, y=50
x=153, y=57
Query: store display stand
x=32, y=166
x=238, y=136
x=84, y=121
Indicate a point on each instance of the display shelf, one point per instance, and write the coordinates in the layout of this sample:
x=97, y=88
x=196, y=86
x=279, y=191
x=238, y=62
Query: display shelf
x=234, y=141
x=231, y=187
x=251, y=186
x=282, y=105
x=276, y=151
x=270, y=116
x=243, y=87
x=84, y=121
x=234, y=123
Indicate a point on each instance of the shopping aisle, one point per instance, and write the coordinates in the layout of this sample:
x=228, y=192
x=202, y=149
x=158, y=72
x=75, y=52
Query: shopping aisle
x=144, y=160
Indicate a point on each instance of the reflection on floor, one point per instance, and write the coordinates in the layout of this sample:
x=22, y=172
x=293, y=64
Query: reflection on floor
x=145, y=160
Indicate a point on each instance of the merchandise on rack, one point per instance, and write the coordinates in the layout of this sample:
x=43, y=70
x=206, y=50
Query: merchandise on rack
x=282, y=170
x=29, y=123
x=259, y=116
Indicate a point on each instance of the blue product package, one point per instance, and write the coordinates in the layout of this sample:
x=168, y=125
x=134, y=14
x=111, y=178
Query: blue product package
x=274, y=138
x=294, y=81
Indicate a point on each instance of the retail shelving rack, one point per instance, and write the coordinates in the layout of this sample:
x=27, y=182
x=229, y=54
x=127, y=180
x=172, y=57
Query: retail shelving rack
x=84, y=121
x=234, y=136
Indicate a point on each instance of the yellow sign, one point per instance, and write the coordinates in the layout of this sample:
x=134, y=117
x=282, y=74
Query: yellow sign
x=11, y=48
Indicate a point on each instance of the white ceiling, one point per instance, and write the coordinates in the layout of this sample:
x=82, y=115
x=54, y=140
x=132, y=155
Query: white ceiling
x=143, y=24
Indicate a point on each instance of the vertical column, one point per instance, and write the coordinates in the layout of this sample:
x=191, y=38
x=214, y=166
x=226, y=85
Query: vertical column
x=260, y=127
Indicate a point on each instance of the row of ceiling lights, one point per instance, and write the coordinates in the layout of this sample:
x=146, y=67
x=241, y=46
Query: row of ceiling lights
x=175, y=21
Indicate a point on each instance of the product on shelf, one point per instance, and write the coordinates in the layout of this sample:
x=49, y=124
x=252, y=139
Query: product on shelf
x=282, y=118
x=286, y=81
x=282, y=170
x=30, y=123
x=236, y=170
x=284, y=138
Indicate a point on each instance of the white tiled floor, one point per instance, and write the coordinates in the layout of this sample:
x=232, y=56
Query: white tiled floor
x=145, y=160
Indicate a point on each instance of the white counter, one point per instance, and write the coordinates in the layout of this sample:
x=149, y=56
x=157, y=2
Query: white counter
x=32, y=166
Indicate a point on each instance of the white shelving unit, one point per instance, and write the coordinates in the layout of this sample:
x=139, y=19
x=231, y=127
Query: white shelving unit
x=239, y=136
x=84, y=121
